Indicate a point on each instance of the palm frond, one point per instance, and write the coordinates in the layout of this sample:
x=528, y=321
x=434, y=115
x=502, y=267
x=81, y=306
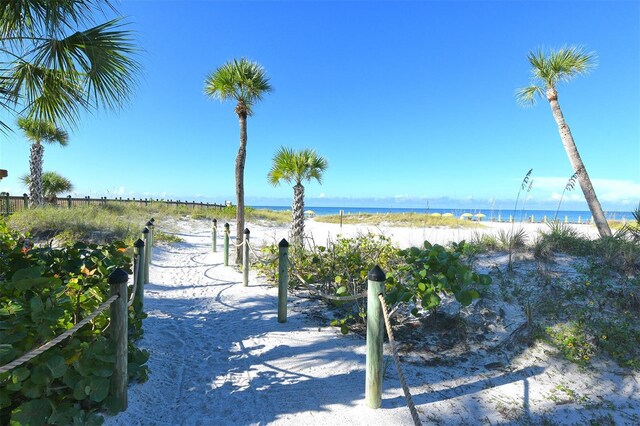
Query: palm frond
x=240, y=79
x=296, y=166
x=526, y=96
x=43, y=131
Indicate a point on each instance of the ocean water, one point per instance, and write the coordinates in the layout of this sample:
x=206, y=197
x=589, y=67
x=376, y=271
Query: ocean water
x=495, y=214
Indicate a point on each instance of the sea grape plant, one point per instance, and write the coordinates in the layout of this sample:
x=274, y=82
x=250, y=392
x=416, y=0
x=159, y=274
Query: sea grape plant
x=43, y=292
x=426, y=274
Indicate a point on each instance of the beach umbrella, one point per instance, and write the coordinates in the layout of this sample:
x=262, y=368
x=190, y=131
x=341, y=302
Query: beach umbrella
x=436, y=214
x=466, y=216
x=447, y=215
x=479, y=216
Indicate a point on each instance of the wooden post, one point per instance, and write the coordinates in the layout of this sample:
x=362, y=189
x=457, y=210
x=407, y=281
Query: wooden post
x=341, y=213
x=138, y=274
x=147, y=255
x=7, y=204
x=375, y=338
x=119, y=332
x=283, y=279
x=25, y=198
x=214, y=235
x=225, y=255
x=151, y=227
x=245, y=259
x=69, y=201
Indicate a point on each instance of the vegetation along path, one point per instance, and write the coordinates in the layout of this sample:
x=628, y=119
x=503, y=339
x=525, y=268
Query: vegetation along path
x=219, y=356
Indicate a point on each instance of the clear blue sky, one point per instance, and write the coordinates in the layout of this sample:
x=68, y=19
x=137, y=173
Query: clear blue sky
x=412, y=103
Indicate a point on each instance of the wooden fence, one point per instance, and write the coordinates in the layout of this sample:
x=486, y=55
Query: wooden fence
x=12, y=203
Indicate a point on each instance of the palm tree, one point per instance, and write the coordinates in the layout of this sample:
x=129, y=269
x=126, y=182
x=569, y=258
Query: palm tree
x=53, y=185
x=51, y=69
x=295, y=167
x=548, y=70
x=38, y=132
x=246, y=82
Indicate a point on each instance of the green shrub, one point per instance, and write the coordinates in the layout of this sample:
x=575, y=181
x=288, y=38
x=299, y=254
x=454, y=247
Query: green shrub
x=44, y=292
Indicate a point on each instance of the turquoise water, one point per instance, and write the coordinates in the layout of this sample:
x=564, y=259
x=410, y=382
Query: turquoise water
x=518, y=215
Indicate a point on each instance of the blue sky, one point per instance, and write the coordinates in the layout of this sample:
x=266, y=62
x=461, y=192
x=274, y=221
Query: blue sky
x=412, y=103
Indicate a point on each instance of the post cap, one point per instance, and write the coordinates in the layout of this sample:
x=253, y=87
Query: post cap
x=215, y=221
x=118, y=276
x=226, y=225
x=139, y=243
x=246, y=231
x=376, y=274
x=152, y=220
x=283, y=243
x=145, y=230
x=149, y=223
x=25, y=195
x=68, y=196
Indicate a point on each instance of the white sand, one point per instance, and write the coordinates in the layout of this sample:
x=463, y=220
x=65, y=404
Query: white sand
x=218, y=357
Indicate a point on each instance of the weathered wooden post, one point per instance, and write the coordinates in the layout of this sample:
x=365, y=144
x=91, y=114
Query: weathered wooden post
x=25, y=199
x=119, y=332
x=245, y=259
x=138, y=274
x=214, y=235
x=147, y=255
x=6, y=203
x=225, y=255
x=69, y=201
x=151, y=227
x=283, y=279
x=375, y=338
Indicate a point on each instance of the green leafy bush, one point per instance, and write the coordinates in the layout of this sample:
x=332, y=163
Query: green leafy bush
x=426, y=274
x=44, y=292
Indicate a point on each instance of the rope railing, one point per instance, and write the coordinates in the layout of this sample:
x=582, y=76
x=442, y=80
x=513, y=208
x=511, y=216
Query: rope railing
x=35, y=352
x=259, y=258
x=396, y=359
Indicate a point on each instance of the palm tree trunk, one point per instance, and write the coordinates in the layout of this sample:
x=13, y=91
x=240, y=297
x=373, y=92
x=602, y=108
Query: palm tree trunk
x=240, y=160
x=35, y=169
x=297, y=221
x=578, y=166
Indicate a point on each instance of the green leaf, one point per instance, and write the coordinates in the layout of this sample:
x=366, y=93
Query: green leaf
x=32, y=390
x=20, y=374
x=7, y=353
x=27, y=273
x=422, y=287
x=41, y=375
x=81, y=389
x=431, y=301
x=342, y=290
x=338, y=279
x=34, y=412
x=464, y=297
x=57, y=366
x=99, y=388
x=36, y=305
x=344, y=329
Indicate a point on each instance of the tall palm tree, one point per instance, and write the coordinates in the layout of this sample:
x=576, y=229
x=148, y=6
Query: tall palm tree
x=548, y=70
x=296, y=167
x=246, y=82
x=51, y=68
x=38, y=132
x=53, y=185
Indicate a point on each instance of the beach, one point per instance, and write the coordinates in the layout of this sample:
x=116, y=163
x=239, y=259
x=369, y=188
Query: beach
x=219, y=356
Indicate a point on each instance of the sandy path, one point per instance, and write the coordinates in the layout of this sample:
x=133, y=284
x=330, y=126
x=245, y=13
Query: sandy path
x=218, y=357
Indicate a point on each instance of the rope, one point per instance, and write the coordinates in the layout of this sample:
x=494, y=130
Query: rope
x=396, y=358
x=34, y=353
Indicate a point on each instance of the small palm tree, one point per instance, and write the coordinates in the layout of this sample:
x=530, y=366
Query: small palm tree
x=38, y=132
x=53, y=185
x=246, y=82
x=296, y=167
x=548, y=70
